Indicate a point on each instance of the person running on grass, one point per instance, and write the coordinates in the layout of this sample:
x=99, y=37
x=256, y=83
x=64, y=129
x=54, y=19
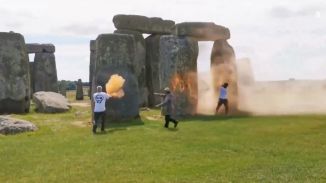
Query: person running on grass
x=99, y=108
x=223, y=99
x=167, y=108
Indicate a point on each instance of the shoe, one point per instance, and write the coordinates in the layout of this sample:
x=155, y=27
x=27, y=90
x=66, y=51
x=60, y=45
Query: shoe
x=176, y=124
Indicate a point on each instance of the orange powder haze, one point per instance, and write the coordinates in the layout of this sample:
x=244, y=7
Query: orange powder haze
x=114, y=86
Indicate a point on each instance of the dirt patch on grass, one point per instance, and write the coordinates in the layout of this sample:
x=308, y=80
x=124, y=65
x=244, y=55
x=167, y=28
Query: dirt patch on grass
x=154, y=117
x=80, y=104
x=81, y=124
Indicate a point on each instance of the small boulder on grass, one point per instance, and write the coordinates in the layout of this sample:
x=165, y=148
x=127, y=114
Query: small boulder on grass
x=50, y=102
x=13, y=126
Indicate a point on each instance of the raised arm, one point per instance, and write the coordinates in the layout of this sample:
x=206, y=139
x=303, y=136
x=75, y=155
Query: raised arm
x=165, y=101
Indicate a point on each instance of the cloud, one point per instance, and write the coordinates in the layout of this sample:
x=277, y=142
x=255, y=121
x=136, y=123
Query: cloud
x=80, y=29
x=86, y=28
x=281, y=12
x=286, y=12
x=12, y=20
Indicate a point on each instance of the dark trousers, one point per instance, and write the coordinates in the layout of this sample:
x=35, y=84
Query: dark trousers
x=167, y=121
x=222, y=102
x=99, y=116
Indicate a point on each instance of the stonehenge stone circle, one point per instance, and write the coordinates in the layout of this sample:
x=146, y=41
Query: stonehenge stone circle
x=202, y=31
x=139, y=65
x=79, y=90
x=115, y=54
x=45, y=72
x=143, y=24
x=178, y=70
x=14, y=74
x=167, y=57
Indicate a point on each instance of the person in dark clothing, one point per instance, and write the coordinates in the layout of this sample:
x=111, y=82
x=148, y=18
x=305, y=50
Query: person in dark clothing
x=167, y=108
x=99, y=108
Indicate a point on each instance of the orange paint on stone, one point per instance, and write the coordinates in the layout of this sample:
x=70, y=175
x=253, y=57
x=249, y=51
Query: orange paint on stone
x=114, y=86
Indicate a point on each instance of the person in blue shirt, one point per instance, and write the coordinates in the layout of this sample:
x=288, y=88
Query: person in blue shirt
x=223, y=99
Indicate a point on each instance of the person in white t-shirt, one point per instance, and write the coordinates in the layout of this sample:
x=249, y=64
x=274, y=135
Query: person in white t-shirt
x=99, y=108
x=223, y=98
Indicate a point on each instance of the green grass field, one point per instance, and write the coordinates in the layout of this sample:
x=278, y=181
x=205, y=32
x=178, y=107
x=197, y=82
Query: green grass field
x=202, y=149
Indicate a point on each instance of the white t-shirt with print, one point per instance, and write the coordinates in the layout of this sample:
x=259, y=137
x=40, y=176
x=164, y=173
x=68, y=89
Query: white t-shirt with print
x=99, y=100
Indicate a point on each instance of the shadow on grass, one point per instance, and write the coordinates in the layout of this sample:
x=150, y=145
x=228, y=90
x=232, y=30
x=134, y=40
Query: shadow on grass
x=209, y=118
x=173, y=129
x=110, y=131
x=115, y=126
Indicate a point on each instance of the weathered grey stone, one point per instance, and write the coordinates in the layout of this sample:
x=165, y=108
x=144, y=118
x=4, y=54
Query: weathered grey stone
x=40, y=48
x=115, y=54
x=50, y=102
x=79, y=91
x=224, y=70
x=48, y=48
x=10, y=126
x=92, y=61
x=202, y=31
x=152, y=68
x=14, y=74
x=34, y=48
x=139, y=65
x=45, y=73
x=143, y=24
x=178, y=70
x=92, y=45
x=31, y=78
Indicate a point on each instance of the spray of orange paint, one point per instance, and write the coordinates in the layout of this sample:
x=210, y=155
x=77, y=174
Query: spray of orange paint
x=114, y=86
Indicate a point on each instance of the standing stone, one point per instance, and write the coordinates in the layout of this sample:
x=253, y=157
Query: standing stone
x=224, y=70
x=202, y=31
x=45, y=72
x=115, y=54
x=152, y=68
x=31, y=78
x=79, y=91
x=92, y=60
x=139, y=65
x=40, y=48
x=143, y=24
x=14, y=74
x=178, y=70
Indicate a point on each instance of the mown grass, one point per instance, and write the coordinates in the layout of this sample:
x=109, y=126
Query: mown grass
x=202, y=149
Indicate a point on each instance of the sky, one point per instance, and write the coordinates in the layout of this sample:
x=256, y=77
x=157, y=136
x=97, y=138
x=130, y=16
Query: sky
x=283, y=38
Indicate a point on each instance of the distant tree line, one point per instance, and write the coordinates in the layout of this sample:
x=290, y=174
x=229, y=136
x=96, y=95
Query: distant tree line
x=70, y=85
